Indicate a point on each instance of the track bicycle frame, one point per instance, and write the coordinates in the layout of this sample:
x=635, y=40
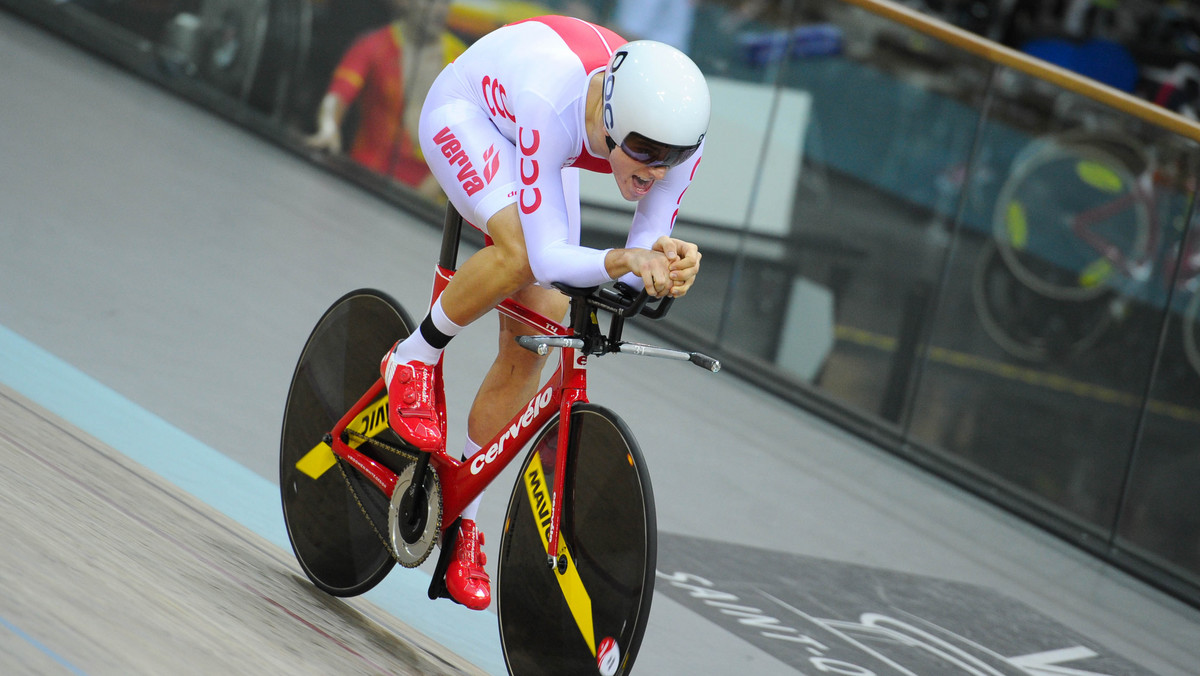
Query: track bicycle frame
x=462, y=482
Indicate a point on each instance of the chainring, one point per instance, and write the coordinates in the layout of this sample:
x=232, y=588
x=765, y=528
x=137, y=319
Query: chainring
x=413, y=554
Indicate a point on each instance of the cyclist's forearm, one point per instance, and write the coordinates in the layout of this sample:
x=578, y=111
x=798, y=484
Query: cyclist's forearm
x=567, y=263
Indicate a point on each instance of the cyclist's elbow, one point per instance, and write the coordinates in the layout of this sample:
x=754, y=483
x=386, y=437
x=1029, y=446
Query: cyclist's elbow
x=545, y=272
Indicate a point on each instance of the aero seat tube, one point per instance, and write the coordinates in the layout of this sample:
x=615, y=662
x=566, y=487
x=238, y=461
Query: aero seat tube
x=451, y=232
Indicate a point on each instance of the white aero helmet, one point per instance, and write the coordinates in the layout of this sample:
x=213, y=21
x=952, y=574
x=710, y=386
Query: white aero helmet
x=656, y=103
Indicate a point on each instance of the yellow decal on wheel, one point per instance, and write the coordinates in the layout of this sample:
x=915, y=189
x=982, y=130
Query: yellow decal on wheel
x=317, y=461
x=569, y=581
x=1095, y=273
x=1099, y=176
x=370, y=422
x=1018, y=226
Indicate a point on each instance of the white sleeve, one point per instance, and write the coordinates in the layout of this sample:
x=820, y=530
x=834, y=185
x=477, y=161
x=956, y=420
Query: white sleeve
x=655, y=215
x=543, y=144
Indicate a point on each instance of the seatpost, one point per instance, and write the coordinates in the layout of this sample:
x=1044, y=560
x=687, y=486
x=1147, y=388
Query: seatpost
x=581, y=315
x=451, y=231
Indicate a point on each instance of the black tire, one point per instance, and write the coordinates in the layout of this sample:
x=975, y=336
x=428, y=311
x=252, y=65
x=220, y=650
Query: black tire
x=610, y=531
x=337, y=521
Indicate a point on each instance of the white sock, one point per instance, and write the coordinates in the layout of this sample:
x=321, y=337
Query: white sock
x=427, y=342
x=472, y=510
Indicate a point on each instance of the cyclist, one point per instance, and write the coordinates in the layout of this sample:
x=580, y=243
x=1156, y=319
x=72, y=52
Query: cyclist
x=505, y=130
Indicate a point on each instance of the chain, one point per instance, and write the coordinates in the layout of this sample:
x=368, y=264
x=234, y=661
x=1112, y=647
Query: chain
x=410, y=456
x=394, y=450
x=354, y=492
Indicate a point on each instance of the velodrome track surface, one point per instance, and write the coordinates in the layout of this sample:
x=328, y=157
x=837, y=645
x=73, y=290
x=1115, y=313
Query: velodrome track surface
x=159, y=271
x=109, y=568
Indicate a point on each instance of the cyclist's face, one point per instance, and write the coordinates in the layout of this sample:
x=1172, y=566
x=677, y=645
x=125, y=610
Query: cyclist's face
x=633, y=178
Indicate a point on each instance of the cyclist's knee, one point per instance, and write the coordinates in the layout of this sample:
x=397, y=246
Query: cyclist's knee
x=511, y=353
x=549, y=303
x=508, y=242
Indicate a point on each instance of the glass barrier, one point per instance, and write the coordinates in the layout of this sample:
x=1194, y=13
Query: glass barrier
x=1055, y=324
x=1160, y=516
x=1000, y=273
x=891, y=134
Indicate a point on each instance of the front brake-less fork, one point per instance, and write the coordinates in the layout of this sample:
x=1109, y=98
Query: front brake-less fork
x=555, y=557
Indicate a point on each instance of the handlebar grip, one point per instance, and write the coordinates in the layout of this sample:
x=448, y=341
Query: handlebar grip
x=705, y=362
x=643, y=303
x=639, y=304
x=534, y=345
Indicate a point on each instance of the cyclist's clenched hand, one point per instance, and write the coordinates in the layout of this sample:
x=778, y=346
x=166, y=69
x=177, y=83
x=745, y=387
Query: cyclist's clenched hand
x=654, y=268
x=669, y=267
x=683, y=263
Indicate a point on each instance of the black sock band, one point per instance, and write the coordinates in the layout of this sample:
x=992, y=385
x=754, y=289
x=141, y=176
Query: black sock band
x=431, y=334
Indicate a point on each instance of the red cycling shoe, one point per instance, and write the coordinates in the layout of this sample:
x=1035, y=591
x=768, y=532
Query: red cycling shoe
x=412, y=403
x=466, y=580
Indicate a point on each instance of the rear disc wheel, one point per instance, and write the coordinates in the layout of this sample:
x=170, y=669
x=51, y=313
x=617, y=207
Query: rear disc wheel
x=336, y=520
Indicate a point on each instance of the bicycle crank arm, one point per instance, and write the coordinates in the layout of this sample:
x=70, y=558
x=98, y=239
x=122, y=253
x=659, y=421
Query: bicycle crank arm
x=542, y=344
x=702, y=360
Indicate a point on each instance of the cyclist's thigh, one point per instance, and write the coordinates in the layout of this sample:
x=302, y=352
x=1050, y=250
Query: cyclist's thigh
x=469, y=157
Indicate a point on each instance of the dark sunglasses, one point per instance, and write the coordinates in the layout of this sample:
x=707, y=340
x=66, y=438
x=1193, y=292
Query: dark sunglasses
x=652, y=153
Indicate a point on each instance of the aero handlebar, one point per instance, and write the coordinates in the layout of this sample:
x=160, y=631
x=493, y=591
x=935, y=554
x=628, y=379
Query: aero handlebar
x=623, y=302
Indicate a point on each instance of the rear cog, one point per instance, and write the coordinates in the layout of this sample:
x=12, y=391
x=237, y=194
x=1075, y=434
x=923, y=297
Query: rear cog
x=413, y=523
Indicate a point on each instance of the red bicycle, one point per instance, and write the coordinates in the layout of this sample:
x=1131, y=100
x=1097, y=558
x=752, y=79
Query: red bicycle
x=575, y=573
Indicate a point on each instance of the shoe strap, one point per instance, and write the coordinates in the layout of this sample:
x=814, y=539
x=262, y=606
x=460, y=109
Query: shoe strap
x=469, y=551
x=423, y=379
